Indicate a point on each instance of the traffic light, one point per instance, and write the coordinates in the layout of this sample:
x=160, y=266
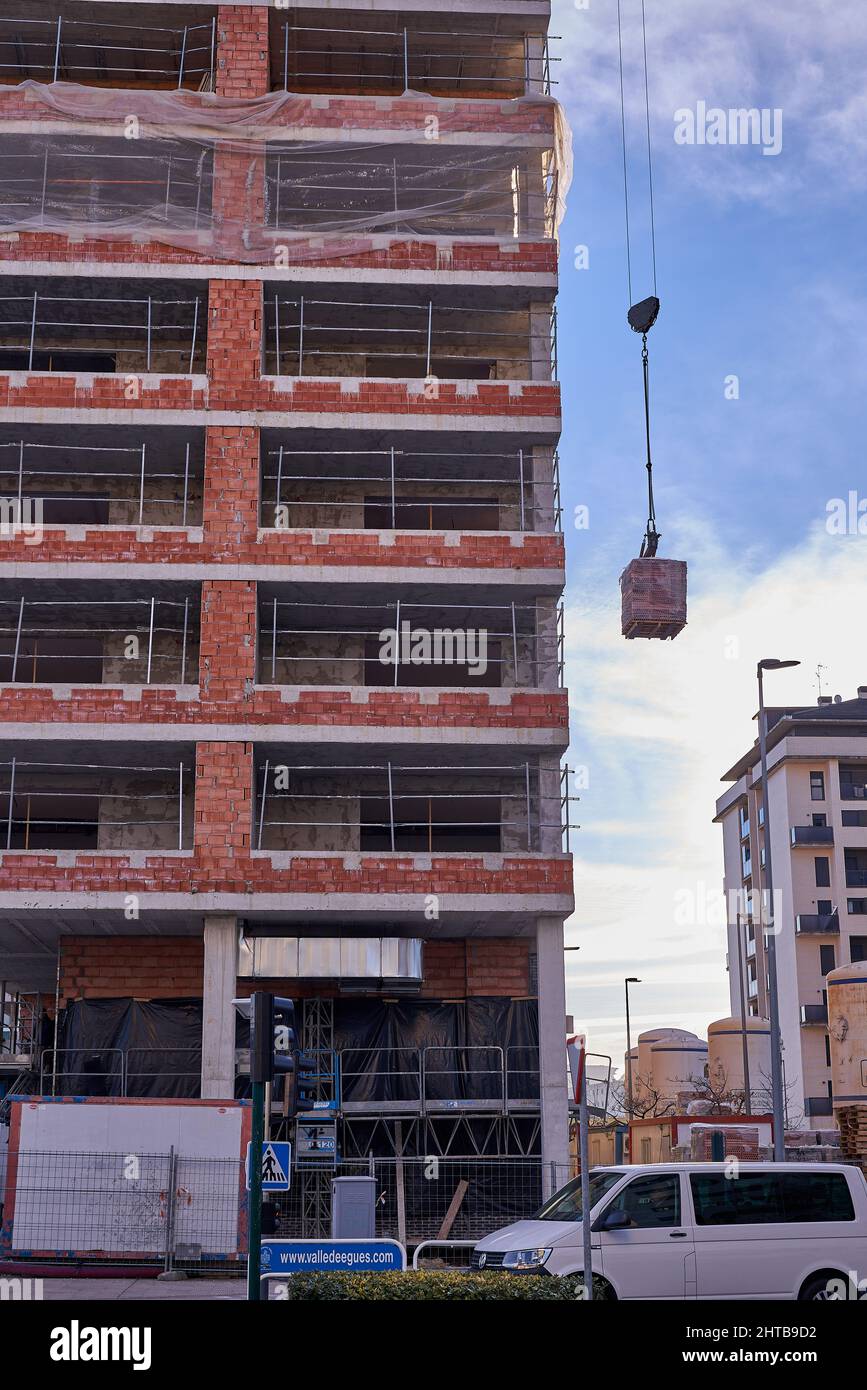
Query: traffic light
x=298, y=1083
x=274, y=1050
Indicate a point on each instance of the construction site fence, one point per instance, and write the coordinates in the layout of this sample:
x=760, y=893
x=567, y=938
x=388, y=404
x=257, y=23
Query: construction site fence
x=173, y=1211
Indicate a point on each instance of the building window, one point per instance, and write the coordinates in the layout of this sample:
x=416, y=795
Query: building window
x=817, y=786
x=827, y=960
x=823, y=871
x=857, y=906
x=856, y=819
x=853, y=782
x=819, y=818
x=824, y=907
x=827, y=1050
x=857, y=948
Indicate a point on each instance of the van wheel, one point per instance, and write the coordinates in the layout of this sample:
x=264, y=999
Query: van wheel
x=602, y=1290
x=817, y=1289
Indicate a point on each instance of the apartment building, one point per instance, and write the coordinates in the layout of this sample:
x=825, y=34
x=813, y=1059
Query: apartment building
x=817, y=801
x=281, y=556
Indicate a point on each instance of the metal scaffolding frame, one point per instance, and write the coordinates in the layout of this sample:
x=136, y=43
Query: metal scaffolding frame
x=455, y=194
x=26, y=788
x=374, y=618
x=389, y=787
x=424, y=342
x=531, y=512
x=57, y=623
x=142, y=318
x=23, y=476
x=94, y=52
x=405, y=51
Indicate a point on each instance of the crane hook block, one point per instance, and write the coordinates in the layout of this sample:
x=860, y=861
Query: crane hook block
x=643, y=316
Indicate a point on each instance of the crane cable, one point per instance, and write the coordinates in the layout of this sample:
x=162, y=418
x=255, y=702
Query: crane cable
x=641, y=322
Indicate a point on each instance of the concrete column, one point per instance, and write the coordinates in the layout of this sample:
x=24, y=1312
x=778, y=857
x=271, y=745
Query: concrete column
x=540, y=342
x=542, y=472
x=552, y=1051
x=546, y=643
x=218, y=1014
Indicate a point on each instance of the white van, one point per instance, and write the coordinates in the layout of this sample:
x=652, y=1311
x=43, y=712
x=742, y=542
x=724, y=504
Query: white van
x=695, y=1230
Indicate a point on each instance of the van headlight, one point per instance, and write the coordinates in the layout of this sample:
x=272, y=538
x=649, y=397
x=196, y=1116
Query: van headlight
x=525, y=1259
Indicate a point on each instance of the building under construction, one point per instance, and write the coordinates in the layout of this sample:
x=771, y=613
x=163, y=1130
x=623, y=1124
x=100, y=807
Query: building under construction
x=281, y=559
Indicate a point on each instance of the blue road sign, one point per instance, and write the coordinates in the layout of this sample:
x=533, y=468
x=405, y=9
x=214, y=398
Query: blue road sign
x=282, y=1257
x=276, y=1166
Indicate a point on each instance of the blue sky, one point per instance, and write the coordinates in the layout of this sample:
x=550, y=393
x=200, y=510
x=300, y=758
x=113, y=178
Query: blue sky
x=762, y=274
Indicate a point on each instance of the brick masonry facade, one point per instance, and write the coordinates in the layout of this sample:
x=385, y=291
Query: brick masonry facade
x=234, y=401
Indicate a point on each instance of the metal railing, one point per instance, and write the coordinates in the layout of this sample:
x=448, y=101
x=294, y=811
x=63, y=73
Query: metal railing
x=129, y=641
x=394, y=490
x=96, y=53
x=46, y=182
x=440, y=61
x=471, y=645
x=455, y=194
x=76, y=806
x=43, y=337
x=318, y=337
x=402, y=808
x=69, y=495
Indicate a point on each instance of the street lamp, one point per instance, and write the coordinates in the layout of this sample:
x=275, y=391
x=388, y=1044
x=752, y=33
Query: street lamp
x=630, y=980
x=772, y=664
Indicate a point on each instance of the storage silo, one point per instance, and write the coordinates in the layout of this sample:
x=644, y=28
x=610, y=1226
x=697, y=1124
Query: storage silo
x=847, y=1027
x=646, y=1042
x=676, y=1064
x=725, y=1039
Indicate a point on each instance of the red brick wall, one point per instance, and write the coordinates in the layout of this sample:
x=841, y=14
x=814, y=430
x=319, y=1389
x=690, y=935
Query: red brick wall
x=242, y=51
x=143, y=967
x=227, y=659
x=148, y=967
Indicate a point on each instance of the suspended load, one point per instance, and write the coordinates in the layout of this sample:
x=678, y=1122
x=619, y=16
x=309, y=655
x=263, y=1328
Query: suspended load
x=652, y=589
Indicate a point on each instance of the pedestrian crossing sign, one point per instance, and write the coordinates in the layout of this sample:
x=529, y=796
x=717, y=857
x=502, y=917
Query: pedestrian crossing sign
x=276, y=1166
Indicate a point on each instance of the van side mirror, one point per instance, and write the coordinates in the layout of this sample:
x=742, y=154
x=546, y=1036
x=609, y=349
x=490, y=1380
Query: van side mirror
x=615, y=1219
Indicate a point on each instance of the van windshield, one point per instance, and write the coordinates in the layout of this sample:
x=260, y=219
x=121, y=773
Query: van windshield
x=565, y=1205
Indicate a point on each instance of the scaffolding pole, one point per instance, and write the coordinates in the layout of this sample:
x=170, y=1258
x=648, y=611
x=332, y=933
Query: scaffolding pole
x=262, y=805
x=150, y=641
x=390, y=808
x=9, y=814
x=180, y=805
x=184, y=642
x=17, y=640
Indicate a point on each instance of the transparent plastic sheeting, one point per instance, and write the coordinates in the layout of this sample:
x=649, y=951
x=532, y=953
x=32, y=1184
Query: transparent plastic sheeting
x=230, y=179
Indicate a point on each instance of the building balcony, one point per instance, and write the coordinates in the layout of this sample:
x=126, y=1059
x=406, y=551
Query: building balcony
x=814, y=924
x=814, y=1015
x=128, y=329
x=856, y=878
x=808, y=836
x=417, y=484
x=377, y=53
x=396, y=639
x=67, y=634
x=115, y=46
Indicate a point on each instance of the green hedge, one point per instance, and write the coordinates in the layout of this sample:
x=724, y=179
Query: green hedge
x=438, y=1285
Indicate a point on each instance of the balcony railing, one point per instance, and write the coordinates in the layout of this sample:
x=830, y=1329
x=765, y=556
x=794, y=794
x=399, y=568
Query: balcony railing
x=409, y=644
x=817, y=924
x=808, y=835
x=410, y=490
x=856, y=878
x=371, y=60
x=814, y=1015
x=96, y=52
x=66, y=484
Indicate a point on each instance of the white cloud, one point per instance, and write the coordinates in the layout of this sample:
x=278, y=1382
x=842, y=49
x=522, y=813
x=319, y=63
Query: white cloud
x=805, y=57
x=657, y=723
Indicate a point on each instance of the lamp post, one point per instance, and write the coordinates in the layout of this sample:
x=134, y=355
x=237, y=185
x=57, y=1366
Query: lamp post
x=630, y=980
x=772, y=664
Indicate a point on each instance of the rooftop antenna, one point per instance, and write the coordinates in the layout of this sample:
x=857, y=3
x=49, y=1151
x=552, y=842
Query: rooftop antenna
x=819, y=669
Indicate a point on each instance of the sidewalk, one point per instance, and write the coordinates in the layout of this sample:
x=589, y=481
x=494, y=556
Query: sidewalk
x=133, y=1290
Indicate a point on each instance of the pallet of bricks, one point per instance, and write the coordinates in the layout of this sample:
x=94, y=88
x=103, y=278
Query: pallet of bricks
x=853, y=1133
